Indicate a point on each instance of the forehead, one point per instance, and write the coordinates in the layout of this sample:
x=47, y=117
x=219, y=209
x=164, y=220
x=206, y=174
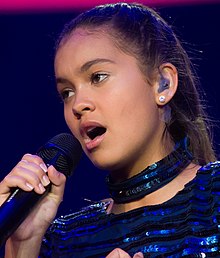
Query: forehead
x=83, y=41
x=83, y=46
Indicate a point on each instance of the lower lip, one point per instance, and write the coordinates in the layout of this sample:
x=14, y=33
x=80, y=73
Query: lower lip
x=92, y=144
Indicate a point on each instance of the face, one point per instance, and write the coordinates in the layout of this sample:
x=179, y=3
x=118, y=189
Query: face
x=108, y=104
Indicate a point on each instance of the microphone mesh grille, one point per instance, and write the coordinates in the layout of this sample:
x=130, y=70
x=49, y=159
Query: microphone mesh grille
x=63, y=151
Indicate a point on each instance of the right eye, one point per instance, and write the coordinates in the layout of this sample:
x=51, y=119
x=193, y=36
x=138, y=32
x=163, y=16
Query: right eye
x=66, y=93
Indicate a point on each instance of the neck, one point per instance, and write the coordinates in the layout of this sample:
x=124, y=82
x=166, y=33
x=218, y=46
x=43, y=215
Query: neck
x=153, y=177
x=158, y=151
x=160, y=196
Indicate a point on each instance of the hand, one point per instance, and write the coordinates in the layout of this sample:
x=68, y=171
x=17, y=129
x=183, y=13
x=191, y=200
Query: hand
x=119, y=253
x=29, y=174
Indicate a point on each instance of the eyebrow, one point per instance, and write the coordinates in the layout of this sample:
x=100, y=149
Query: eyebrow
x=61, y=81
x=85, y=67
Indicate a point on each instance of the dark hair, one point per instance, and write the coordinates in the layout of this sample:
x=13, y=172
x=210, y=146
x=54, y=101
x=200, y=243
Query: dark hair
x=141, y=32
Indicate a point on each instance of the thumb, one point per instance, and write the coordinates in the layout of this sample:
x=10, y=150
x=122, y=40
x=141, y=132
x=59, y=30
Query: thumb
x=58, y=181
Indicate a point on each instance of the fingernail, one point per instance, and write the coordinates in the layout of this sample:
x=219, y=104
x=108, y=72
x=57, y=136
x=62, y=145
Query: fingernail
x=29, y=186
x=139, y=255
x=42, y=189
x=55, y=172
x=23, y=160
x=45, y=180
x=44, y=167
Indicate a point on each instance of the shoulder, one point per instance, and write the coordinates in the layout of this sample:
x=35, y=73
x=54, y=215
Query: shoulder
x=73, y=225
x=212, y=168
x=208, y=178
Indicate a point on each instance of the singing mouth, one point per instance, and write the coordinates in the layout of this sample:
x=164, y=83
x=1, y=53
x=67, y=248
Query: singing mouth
x=94, y=132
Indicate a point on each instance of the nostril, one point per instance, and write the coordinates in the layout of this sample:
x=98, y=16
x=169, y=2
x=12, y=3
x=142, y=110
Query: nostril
x=77, y=115
x=86, y=109
x=79, y=112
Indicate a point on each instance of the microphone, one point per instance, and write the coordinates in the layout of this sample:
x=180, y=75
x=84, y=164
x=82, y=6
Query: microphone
x=63, y=152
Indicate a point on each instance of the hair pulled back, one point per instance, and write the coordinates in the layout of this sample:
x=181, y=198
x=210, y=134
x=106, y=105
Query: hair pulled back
x=140, y=31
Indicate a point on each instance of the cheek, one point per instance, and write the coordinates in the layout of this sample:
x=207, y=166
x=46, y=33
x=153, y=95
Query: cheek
x=138, y=106
x=68, y=115
x=139, y=115
x=72, y=124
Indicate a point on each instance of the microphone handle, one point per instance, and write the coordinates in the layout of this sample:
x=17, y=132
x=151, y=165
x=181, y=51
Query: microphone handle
x=15, y=209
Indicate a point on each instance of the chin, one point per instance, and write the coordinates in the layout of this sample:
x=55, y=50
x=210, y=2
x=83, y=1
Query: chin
x=102, y=164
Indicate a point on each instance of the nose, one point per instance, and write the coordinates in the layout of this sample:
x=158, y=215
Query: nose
x=82, y=105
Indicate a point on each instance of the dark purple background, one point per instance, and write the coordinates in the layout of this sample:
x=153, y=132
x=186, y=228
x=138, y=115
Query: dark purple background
x=31, y=111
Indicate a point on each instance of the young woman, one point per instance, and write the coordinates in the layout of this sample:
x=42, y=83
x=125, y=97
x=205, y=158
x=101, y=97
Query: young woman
x=131, y=100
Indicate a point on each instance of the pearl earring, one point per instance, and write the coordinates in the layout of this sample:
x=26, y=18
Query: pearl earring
x=162, y=99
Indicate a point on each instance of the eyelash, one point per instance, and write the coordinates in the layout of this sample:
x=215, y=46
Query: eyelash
x=64, y=95
x=94, y=76
x=101, y=77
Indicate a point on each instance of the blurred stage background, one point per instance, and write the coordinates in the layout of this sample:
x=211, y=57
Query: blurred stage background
x=31, y=111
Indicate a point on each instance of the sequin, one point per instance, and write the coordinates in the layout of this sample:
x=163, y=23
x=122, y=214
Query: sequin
x=188, y=225
x=152, y=177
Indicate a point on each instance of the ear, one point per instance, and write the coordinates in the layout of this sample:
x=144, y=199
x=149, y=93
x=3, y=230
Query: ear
x=166, y=84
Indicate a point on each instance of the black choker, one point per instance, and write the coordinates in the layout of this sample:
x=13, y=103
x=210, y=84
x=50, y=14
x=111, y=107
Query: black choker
x=153, y=177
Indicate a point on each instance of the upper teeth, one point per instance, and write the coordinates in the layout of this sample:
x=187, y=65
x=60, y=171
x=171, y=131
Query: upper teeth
x=91, y=132
x=90, y=129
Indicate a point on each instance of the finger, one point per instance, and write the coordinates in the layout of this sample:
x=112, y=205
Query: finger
x=118, y=253
x=30, y=169
x=33, y=163
x=34, y=158
x=58, y=181
x=14, y=181
x=27, y=175
x=27, y=181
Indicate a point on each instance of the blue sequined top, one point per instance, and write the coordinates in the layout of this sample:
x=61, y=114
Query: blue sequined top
x=188, y=225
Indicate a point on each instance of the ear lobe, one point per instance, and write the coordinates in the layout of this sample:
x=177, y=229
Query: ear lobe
x=166, y=84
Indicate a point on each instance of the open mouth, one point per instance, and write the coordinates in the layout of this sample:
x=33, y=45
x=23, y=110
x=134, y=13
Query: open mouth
x=94, y=132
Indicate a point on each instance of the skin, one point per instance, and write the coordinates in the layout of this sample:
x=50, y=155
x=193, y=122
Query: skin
x=120, y=99
x=29, y=174
x=100, y=86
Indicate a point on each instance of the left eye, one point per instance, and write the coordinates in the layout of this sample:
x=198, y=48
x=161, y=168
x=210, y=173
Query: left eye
x=98, y=77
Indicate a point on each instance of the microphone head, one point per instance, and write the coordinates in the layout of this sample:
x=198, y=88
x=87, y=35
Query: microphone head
x=63, y=151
